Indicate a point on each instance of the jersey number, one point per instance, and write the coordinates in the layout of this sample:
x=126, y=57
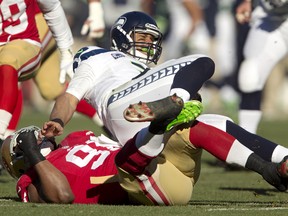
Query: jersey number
x=13, y=21
x=91, y=153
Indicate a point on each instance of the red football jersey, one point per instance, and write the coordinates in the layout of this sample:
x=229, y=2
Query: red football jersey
x=89, y=167
x=17, y=20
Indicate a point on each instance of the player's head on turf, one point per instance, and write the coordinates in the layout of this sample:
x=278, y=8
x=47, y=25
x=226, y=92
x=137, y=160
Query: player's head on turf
x=137, y=34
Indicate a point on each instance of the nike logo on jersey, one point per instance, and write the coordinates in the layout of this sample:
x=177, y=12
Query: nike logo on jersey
x=84, y=53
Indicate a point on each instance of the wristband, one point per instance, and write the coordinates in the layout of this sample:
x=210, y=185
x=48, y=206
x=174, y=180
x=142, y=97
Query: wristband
x=34, y=158
x=59, y=121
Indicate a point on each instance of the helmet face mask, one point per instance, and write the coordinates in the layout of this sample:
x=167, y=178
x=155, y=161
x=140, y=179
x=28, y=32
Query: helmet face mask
x=13, y=157
x=123, y=37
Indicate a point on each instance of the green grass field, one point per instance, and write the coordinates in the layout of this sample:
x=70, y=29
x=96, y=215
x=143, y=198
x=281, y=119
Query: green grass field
x=218, y=192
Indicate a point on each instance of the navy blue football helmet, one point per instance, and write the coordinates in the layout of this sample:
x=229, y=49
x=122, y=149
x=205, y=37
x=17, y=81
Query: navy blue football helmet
x=122, y=36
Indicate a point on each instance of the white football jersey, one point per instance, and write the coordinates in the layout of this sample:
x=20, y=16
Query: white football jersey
x=265, y=46
x=98, y=71
x=110, y=81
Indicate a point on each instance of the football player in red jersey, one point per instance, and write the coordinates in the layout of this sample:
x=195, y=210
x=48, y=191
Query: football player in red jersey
x=85, y=170
x=156, y=167
x=20, y=47
x=47, y=77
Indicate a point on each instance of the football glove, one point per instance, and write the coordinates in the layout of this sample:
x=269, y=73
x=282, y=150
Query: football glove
x=66, y=65
x=95, y=21
x=26, y=140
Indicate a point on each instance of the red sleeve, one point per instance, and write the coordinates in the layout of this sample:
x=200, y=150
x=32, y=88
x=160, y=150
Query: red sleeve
x=22, y=187
x=22, y=184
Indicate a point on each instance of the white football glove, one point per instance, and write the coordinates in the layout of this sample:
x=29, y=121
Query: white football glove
x=66, y=65
x=95, y=22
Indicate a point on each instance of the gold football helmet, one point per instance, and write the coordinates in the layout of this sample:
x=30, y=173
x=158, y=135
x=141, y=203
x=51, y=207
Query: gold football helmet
x=12, y=155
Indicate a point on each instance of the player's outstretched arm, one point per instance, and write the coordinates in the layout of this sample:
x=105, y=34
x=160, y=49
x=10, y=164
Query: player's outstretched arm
x=62, y=112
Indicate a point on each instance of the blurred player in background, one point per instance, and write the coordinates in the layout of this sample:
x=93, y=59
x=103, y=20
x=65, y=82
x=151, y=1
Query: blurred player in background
x=50, y=78
x=178, y=20
x=47, y=78
x=94, y=26
x=266, y=45
x=21, y=48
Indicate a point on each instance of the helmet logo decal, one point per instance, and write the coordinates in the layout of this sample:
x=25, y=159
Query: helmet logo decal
x=120, y=22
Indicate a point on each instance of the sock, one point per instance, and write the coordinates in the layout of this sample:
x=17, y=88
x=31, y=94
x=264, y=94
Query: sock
x=8, y=95
x=250, y=119
x=16, y=115
x=278, y=154
x=182, y=93
x=149, y=144
x=235, y=151
x=220, y=144
x=132, y=160
x=264, y=148
x=139, y=151
x=97, y=120
x=85, y=108
x=190, y=78
x=5, y=118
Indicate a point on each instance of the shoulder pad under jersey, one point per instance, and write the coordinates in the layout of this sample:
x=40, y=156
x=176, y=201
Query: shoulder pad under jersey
x=85, y=53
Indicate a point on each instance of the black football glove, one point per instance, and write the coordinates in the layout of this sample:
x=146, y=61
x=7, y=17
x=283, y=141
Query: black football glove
x=27, y=142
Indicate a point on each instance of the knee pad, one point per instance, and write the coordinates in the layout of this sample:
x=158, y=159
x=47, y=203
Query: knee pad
x=215, y=120
x=249, y=79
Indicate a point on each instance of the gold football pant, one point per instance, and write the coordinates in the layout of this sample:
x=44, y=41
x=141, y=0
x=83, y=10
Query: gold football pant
x=170, y=178
x=47, y=77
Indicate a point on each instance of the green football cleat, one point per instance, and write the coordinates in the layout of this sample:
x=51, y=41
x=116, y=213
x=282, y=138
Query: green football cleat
x=191, y=110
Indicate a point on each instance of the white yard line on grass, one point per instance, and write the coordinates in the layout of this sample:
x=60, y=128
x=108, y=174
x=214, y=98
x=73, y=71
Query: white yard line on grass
x=248, y=209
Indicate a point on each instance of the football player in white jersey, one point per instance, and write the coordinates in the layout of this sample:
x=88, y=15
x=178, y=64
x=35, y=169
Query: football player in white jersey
x=110, y=80
x=265, y=46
